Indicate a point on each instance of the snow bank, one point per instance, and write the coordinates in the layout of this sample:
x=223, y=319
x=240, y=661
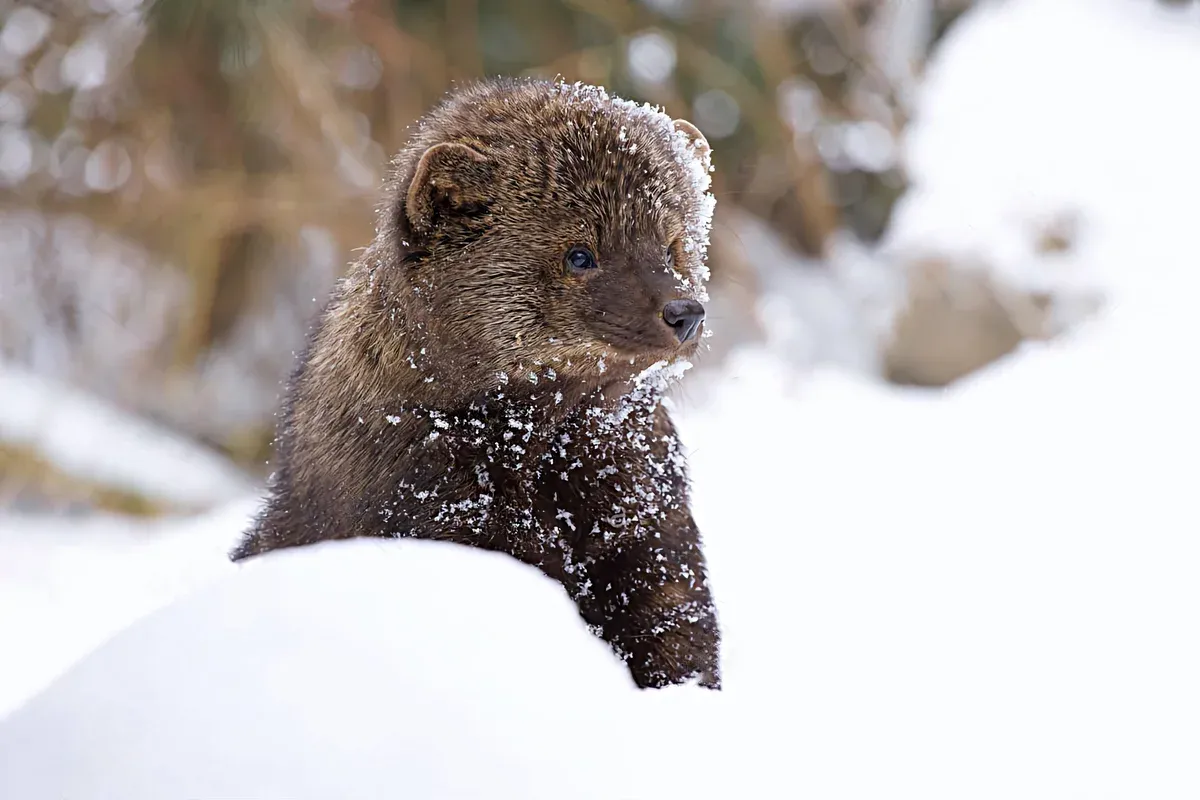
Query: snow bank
x=985, y=593
x=356, y=669
x=990, y=591
x=67, y=586
x=1039, y=107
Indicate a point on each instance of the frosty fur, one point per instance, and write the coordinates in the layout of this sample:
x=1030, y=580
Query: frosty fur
x=462, y=385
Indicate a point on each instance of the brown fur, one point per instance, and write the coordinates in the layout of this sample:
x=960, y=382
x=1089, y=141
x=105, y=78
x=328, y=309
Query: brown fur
x=463, y=384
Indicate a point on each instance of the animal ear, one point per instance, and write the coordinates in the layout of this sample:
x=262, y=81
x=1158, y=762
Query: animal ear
x=450, y=178
x=699, y=143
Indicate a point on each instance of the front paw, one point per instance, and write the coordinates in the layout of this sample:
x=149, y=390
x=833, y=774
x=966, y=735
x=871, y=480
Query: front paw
x=710, y=679
x=649, y=678
x=682, y=655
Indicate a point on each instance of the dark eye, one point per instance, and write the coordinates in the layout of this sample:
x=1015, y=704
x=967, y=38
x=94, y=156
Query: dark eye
x=580, y=258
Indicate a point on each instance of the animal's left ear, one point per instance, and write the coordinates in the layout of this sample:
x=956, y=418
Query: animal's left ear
x=699, y=143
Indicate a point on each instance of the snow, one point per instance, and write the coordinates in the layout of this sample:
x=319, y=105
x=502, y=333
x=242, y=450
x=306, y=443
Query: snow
x=833, y=312
x=984, y=592
x=516, y=698
x=65, y=589
x=1094, y=117
x=89, y=438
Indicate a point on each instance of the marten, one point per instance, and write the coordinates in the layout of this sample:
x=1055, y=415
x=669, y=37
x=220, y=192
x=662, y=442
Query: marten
x=491, y=370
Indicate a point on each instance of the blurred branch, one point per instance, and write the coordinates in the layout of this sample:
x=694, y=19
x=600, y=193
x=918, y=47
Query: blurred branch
x=808, y=176
x=24, y=473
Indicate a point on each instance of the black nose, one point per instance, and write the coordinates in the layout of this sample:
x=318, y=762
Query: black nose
x=684, y=316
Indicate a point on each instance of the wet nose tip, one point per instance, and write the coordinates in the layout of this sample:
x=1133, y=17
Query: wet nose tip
x=684, y=317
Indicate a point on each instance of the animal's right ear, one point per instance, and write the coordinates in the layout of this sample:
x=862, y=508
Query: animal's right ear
x=699, y=143
x=450, y=178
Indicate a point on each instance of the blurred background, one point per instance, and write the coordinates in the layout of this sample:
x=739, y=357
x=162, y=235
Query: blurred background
x=182, y=180
x=953, y=313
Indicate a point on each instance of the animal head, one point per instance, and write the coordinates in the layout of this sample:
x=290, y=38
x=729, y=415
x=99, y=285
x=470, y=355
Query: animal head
x=540, y=222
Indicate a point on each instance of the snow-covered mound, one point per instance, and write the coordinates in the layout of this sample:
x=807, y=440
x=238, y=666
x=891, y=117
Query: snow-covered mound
x=354, y=669
x=66, y=586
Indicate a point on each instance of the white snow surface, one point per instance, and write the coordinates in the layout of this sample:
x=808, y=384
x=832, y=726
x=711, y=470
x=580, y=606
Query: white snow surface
x=355, y=669
x=987, y=592
x=68, y=585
